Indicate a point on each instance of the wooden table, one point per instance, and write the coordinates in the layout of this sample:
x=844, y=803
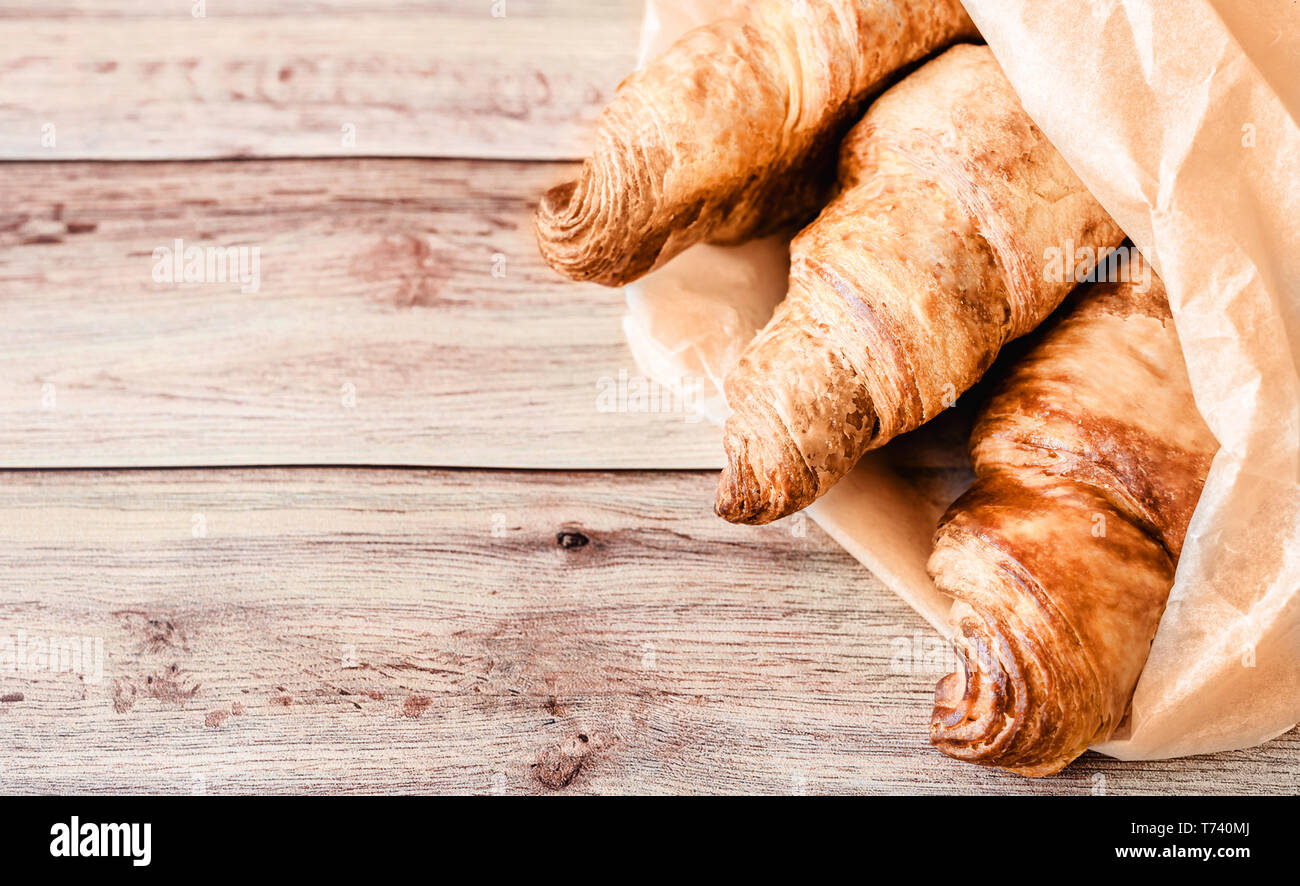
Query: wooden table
x=365, y=529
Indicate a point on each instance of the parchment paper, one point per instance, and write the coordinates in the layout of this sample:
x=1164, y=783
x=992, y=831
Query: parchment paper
x=1181, y=119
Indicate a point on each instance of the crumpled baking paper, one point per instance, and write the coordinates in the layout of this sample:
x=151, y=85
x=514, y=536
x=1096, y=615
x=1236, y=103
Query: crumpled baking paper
x=1181, y=119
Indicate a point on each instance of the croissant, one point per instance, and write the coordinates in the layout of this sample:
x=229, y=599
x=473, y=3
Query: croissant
x=731, y=133
x=1089, y=461
x=929, y=259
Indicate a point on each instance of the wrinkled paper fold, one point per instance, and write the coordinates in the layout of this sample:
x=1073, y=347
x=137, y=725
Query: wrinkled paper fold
x=1181, y=119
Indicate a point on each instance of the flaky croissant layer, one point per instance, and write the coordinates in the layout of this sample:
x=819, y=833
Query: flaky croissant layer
x=1046, y=672
x=1089, y=460
x=905, y=288
x=732, y=133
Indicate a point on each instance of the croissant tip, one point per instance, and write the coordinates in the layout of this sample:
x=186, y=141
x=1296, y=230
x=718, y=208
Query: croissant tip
x=570, y=236
x=735, y=510
x=973, y=717
x=552, y=223
x=555, y=202
x=740, y=499
x=967, y=721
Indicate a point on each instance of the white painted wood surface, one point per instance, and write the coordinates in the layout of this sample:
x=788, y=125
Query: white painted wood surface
x=137, y=80
x=393, y=630
x=415, y=282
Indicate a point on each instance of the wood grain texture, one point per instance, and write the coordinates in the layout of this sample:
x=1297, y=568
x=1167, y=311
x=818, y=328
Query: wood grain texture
x=129, y=79
x=342, y=630
x=416, y=282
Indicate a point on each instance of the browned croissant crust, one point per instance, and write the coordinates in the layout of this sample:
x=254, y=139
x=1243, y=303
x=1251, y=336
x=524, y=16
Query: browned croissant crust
x=1090, y=459
x=902, y=292
x=732, y=132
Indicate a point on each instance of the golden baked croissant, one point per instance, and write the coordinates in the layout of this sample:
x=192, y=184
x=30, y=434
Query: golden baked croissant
x=731, y=133
x=1090, y=459
x=902, y=292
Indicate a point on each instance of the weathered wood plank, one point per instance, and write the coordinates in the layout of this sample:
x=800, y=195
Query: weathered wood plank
x=135, y=80
x=403, y=316
x=344, y=630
